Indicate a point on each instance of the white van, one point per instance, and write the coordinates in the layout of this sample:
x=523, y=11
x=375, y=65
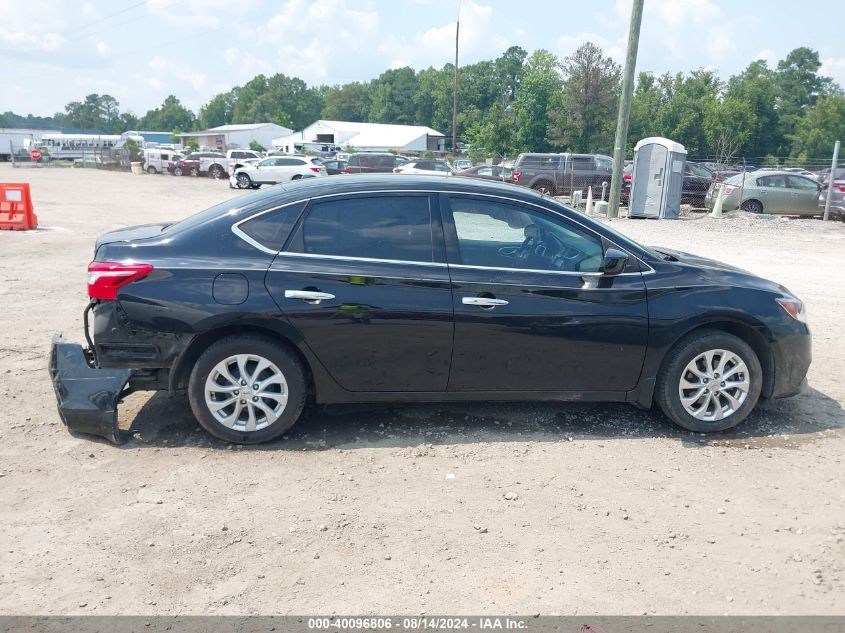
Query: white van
x=156, y=159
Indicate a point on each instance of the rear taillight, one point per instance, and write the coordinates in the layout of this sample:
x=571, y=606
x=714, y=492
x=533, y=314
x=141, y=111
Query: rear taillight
x=516, y=176
x=347, y=171
x=728, y=191
x=627, y=177
x=839, y=186
x=316, y=170
x=396, y=170
x=106, y=278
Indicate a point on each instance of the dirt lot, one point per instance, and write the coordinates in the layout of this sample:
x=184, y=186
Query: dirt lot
x=402, y=509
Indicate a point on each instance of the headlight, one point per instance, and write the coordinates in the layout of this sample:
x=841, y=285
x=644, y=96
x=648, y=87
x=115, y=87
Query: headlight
x=793, y=307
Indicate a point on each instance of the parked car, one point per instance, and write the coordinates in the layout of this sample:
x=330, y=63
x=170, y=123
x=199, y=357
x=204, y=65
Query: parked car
x=461, y=164
x=185, y=166
x=373, y=163
x=425, y=166
x=157, y=159
x=273, y=170
x=561, y=174
x=409, y=288
x=211, y=164
x=334, y=167
x=697, y=181
x=837, y=198
x=488, y=172
x=238, y=158
x=762, y=191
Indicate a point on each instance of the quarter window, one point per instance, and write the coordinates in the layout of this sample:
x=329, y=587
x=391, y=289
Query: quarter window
x=500, y=235
x=271, y=229
x=387, y=227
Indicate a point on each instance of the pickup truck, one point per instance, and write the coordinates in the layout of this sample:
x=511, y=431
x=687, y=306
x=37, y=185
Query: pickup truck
x=218, y=165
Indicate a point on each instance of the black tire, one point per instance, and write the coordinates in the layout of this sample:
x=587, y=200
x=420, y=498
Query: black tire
x=296, y=177
x=177, y=171
x=752, y=206
x=673, y=370
x=257, y=345
x=243, y=181
x=152, y=170
x=216, y=172
x=544, y=187
x=195, y=171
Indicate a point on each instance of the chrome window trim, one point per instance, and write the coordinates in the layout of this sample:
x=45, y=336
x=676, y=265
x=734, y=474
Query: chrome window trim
x=363, y=259
x=546, y=272
x=430, y=192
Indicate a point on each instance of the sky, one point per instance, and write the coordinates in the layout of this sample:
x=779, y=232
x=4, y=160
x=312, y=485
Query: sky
x=53, y=52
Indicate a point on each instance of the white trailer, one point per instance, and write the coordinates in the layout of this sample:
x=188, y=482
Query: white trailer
x=17, y=141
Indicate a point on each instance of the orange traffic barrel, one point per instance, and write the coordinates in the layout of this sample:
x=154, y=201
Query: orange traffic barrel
x=16, y=212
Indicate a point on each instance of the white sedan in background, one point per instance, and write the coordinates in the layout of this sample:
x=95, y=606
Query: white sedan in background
x=275, y=169
x=426, y=166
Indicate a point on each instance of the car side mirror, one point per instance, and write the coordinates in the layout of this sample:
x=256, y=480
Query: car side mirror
x=614, y=261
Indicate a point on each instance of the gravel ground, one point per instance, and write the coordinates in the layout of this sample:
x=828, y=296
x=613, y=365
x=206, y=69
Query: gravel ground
x=476, y=508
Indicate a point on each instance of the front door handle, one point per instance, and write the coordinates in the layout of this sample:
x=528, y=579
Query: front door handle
x=312, y=296
x=483, y=302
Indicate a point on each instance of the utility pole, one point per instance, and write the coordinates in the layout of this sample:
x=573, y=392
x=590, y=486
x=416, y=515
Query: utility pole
x=625, y=108
x=830, y=180
x=455, y=85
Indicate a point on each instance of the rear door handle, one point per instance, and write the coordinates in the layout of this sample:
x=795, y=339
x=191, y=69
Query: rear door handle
x=308, y=295
x=483, y=302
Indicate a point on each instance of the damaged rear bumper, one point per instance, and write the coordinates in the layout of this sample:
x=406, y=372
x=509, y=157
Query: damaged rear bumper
x=87, y=397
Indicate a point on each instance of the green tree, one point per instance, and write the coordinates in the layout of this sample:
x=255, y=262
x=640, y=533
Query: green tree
x=393, y=97
x=510, y=67
x=255, y=146
x=349, y=102
x=689, y=100
x=170, y=116
x=582, y=117
x=819, y=128
x=757, y=87
x=219, y=110
x=648, y=101
x=539, y=84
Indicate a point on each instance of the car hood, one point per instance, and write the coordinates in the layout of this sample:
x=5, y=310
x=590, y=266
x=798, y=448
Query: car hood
x=130, y=234
x=714, y=271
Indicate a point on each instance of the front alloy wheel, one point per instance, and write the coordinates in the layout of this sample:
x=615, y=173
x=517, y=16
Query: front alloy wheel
x=244, y=181
x=714, y=385
x=710, y=381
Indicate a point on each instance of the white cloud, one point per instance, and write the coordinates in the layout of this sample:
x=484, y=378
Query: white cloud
x=103, y=49
x=196, y=14
x=768, y=56
x=164, y=71
x=31, y=27
x=834, y=67
x=436, y=45
x=89, y=10
x=245, y=64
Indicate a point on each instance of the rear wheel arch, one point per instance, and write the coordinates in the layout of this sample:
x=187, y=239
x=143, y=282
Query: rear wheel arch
x=181, y=370
x=743, y=331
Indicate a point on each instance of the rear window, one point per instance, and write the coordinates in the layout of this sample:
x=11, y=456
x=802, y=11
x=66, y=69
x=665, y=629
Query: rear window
x=379, y=227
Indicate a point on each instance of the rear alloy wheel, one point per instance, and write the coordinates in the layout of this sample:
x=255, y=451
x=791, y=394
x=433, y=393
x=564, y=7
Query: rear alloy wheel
x=177, y=171
x=195, y=171
x=543, y=188
x=152, y=170
x=752, y=206
x=709, y=382
x=244, y=181
x=216, y=172
x=247, y=389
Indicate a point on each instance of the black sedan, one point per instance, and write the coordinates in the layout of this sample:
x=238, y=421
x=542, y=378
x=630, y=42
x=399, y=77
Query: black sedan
x=387, y=288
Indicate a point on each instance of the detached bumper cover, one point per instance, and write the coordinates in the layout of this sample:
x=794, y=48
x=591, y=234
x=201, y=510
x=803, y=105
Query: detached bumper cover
x=87, y=397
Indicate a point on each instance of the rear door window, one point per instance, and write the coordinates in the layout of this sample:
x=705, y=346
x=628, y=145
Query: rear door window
x=377, y=227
